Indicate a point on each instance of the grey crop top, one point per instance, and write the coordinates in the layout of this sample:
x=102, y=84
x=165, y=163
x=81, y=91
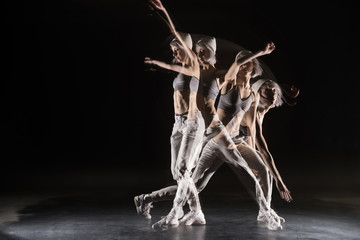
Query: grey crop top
x=210, y=88
x=184, y=82
x=232, y=103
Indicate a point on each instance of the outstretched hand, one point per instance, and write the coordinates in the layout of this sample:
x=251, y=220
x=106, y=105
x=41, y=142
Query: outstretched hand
x=270, y=46
x=294, y=91
x=157, y=3
x=148, y=60
x=284, y=192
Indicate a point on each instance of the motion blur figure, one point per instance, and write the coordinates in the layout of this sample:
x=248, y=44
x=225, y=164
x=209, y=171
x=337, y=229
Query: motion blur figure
x=189, y=124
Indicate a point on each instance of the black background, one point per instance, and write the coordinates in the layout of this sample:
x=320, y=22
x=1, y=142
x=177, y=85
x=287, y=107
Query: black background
x=76, y=99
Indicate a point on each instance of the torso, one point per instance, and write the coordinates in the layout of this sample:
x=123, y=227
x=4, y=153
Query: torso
x=181, y=93
x=231, y=104
x=185, y=91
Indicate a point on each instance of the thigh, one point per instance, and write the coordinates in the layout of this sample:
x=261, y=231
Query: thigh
x=203, y=179
x=206, y=161
x=251, y=156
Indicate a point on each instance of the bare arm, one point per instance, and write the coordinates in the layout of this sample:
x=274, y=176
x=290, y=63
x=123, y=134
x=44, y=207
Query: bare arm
x=167, y=66
x=172, y=67
x=234, y=68
x=220, y=77
x=269, y=161
x=159, y=5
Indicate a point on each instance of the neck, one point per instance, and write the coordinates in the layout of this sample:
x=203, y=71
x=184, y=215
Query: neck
x=243, y=81
x=207, y=66
x=264, y=109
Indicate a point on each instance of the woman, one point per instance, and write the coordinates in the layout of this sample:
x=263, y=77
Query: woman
x=194, y=215
x=189, y=124
x=269, y=94
x=231, y=109
x=211, y=81
x=249, y=138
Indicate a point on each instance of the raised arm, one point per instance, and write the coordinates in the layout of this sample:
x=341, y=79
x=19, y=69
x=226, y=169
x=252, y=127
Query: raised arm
x=234, y=68
x=220, y=77
x=159, y=5
x=161, y=64
x=269, y=161
x=172, y=67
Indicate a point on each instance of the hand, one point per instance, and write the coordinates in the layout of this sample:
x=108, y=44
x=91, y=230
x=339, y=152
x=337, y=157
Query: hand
x=148, y=60
x=284, y=192
x=270, y=46
x=157, y=4
x=294, y=91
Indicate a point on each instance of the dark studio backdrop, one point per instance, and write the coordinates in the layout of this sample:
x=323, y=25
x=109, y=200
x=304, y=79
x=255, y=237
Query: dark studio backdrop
x=78, y=106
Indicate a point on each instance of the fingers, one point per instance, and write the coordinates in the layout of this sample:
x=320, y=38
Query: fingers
x=286, y=196
x=282, y=195
x=147, y=60
x=290, y=198
x=270, y=46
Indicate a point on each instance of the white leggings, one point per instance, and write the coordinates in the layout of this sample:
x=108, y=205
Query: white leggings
x=185, y=146
x=240, y=158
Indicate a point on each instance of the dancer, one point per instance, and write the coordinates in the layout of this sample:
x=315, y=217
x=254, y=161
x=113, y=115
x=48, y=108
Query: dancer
x=189, y=124
x=250, y=137
x=220, y=137
x=231, y=109
x=222, y=146
x=197, y=216
x=269, y=95
x=168, y=193
x=211, y=81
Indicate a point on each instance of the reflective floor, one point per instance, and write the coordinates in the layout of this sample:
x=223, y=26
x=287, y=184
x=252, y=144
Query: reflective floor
x=105, y=215
x=98, y=205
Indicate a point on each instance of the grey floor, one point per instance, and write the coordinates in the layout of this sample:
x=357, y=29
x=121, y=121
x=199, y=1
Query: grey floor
x=106, y=215
x=98, y=205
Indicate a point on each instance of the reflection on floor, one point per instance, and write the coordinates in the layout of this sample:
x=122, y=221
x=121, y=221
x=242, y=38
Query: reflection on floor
x=112, y=216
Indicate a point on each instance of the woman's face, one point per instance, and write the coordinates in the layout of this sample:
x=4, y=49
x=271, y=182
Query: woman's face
x=247, y=67
x=203, y=54
x=268, y=94
x=178, y=53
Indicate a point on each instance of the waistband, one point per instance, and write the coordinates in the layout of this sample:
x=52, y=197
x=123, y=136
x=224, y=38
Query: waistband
x=183, y=114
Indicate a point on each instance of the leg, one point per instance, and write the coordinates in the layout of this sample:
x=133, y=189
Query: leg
x=262, y=173
x=233, y=157
x=184, y=164
x=260, y=170
x=207, y=165
x=189, y=149
x=175, y=142
x=143, y=202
